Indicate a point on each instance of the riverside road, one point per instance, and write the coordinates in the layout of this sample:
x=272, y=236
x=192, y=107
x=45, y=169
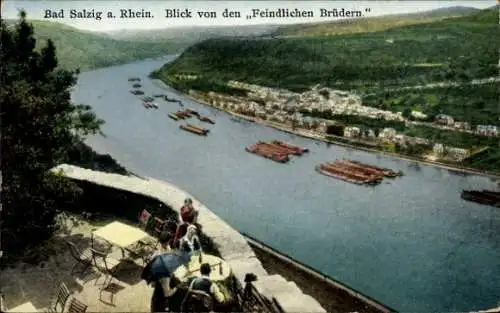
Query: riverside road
x=411, y=243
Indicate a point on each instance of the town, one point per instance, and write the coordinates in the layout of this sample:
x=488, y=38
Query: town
x=291, y=109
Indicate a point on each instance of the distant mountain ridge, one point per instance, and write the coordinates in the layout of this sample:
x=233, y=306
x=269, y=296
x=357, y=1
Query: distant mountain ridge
x=369, y=24
x=372, y=24
x=86, y=50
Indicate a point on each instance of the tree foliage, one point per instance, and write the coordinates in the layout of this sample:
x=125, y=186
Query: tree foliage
x=40, y=125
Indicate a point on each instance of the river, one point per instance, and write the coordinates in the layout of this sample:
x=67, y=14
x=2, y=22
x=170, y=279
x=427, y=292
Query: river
x=411, y=243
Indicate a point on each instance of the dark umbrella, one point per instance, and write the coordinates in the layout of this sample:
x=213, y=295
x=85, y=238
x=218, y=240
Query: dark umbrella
x=164, y=265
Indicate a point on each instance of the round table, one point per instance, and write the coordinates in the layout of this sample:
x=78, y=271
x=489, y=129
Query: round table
x=221, y=271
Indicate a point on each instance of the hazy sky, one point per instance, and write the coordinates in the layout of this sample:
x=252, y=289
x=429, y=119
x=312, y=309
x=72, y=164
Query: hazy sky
x=36, y=9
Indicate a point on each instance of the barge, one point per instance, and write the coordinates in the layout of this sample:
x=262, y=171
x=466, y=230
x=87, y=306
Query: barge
x=137, y=92
x=485, y=197
x=154, y=105
x=386, y=171
x=134, y=79
x=136, y=85
x=173, y=116
x=171, y=99
x=358, y=168
x=267, y=153
x=147, y=105
x=193, y=112
x=206, y=120
x=297, y=150
x=195, y=129
x=337, y=170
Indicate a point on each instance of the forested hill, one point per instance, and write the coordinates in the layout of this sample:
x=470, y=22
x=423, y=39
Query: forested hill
x=86, y=50
x=372, y=24
x=452, y=49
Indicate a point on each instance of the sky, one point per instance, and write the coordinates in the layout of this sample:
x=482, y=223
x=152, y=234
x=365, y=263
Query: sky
x=36, y=9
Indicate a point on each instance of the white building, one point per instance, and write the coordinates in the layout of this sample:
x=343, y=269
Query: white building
x=489, y=130
x=387, y=133
x=351, y=132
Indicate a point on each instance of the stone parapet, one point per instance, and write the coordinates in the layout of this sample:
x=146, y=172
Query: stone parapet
x=232, y=246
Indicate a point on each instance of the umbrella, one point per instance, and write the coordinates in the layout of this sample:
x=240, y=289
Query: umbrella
x=164, y=265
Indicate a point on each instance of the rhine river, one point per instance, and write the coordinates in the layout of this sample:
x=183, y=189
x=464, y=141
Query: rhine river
x=411, y=243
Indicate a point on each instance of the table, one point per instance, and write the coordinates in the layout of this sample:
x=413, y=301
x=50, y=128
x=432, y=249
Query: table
x=27, y=307
x=121, y=235
x=221, y=271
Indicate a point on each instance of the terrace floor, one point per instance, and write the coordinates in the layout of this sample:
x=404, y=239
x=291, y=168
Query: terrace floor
x=38, y=283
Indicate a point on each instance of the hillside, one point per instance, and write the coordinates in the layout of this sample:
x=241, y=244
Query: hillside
x=371, y=24
x=86, y=50
x=452, y=49
x=191, y=34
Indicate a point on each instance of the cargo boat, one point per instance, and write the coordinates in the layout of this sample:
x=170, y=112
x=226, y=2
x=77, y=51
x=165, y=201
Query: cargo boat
x=134, y=79
x=206, y=119
x=286, y=149
x=322, y=170
x=195, y=129
x=264, y=152
x=182, y=114
x=367, y=178
x=137, y=92
x=275, y=148
x=386, y=171
x=339, y=172
x=159, y=95
x=485, y=197
x=136, y=85
x=358, y=168
x=193, y=112
x=290, y=146
x=146, y=105
x=173, y=116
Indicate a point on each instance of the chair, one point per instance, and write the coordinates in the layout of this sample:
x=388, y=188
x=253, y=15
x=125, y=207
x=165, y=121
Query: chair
x=60, y=299
x=76, y=306
x=81, y=257
x=105, y=265
x=159, y=226
x=197, y=301
x=144, y=218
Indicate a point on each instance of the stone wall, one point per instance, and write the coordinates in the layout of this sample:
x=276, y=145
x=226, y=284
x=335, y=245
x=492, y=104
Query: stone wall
x=232, y=246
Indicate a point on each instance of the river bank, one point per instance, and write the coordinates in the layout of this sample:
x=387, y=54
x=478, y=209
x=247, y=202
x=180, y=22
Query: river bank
x=352, y=145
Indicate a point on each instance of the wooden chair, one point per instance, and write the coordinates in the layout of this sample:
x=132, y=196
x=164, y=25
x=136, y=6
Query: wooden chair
x=76, y=306
x=81, y=257
x=197, y=301
x=60, y=299
x=144, y=218
x=105, y=265
x=159, y=226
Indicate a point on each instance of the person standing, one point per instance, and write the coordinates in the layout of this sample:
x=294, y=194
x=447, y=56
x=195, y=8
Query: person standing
x=188, y=213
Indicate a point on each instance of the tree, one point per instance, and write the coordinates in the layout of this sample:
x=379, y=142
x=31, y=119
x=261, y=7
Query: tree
x=39, y=126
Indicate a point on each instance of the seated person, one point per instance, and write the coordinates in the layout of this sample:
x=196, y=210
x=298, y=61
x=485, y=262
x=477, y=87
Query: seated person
x=191, y=239
x=163, y=243
x=159, y=272
x=205, y=284
x=188, y=213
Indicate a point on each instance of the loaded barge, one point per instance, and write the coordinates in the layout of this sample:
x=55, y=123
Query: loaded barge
x=173, y=116
x=195, y=129
x=275, y=150
x=356, y=172
x=337, y=170
x=486, y=197
x=206, y=119
x=296, y=150
x=386, y=171
x=266, y=152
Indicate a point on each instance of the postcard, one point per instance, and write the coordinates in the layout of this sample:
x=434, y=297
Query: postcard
x=244, y=156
